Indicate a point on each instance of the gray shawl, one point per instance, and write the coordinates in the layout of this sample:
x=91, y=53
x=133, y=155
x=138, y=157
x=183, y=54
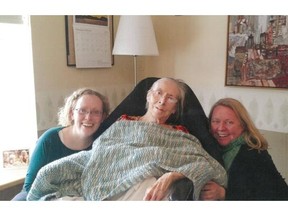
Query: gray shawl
x=125, y=154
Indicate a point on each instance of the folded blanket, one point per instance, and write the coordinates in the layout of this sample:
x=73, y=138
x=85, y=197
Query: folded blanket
x=125, y=154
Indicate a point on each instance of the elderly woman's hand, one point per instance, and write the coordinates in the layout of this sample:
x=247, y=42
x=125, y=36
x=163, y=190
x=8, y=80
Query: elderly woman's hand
x=159, y=190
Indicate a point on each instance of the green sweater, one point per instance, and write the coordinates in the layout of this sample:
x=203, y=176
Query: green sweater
x=48, y=148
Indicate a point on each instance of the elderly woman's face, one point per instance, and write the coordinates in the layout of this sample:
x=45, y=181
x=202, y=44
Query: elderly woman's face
x=225, y=126
x=163, y=99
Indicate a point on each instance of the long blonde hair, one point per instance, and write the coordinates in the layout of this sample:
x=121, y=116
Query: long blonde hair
x=64, y=117
x=251, y=134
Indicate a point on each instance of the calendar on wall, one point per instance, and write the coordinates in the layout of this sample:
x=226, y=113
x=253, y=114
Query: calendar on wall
x=89, y=41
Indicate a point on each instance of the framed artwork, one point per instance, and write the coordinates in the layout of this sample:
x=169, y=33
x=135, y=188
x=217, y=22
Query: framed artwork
x=257, y=51
x=103, y=20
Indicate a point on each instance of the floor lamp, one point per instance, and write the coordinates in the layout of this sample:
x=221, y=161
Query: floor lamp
x=135, y=36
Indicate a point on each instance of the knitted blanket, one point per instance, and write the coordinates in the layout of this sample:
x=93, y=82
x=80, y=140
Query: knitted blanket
x=125, y=154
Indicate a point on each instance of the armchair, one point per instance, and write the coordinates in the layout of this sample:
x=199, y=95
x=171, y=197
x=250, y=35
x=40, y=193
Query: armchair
x=193, y=118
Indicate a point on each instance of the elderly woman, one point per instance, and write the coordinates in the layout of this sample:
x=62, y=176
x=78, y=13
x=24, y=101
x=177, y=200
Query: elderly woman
x=252, y=174
x=137, y=158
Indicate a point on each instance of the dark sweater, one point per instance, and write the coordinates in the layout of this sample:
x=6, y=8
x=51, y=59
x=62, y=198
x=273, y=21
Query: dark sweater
x=253, y=176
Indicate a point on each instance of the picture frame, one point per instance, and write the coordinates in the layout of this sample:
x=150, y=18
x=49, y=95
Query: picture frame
x=69, y=34
x=16, y=158
x=257, y=51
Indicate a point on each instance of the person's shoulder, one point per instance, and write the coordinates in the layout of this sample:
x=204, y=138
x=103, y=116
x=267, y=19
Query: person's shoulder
x=181, y=128
x=127, y=117
x=54, y=129
x=51, y=131
x=50, y=136
x=253, y=151
x=255, y=155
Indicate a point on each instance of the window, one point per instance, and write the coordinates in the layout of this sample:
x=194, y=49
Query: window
x=18, y=111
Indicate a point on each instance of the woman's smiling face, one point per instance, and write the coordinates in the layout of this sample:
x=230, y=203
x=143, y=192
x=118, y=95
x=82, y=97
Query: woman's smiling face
x=225, y=126
x=87, y=115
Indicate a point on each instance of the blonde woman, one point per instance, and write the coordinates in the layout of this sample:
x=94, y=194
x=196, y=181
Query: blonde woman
x=252, y=174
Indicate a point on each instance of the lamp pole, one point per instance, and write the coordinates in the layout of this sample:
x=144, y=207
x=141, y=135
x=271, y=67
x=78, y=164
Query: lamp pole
x=135, y=69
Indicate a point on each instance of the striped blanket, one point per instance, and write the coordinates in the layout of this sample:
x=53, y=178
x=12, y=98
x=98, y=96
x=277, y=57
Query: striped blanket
x=125, y=154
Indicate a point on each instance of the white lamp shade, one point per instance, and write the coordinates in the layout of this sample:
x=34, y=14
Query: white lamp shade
x=135, y=36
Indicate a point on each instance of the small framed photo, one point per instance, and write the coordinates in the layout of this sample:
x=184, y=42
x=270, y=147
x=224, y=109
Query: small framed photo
x=15, y=158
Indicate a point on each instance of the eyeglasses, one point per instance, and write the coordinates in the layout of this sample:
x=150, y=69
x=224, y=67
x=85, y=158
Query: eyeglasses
x=94, y=113
x=159, y=94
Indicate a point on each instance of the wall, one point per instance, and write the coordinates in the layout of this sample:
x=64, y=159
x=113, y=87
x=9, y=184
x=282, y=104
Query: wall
x=54, y=80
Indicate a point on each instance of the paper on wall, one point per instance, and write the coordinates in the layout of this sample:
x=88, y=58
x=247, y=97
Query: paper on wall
x=92, y=45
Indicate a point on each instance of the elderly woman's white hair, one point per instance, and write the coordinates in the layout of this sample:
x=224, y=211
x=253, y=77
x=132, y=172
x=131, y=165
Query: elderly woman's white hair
x=182, y=88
